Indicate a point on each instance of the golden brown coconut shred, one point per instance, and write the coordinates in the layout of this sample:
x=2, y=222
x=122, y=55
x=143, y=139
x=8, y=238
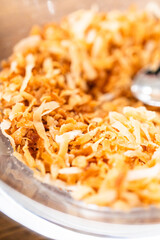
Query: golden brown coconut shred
x=68, y=111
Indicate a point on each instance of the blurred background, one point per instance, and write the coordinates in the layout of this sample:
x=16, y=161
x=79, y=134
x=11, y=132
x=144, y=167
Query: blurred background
x=17, y=16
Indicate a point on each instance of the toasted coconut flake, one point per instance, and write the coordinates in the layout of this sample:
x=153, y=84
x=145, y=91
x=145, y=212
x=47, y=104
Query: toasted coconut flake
x=29, y=108
x=98, y=120
x=70, y=170
x=134, y=175
x=145, y=127
x=68, y=135
x=140, y=113
x=37, y=121
x=27, y=43
x=49, y=107
x=64, y=139
x=153, y=8
x=54, y=171
x=84, y=138
x=68, y=112
x=123, y=130
x=80, y=21
x=91, y=35
x=13, y=67
x=136, y=126
x=75, y=64
x=117, y=117
x=7, y=96
x=18, y=108
x=111, y=25
x=29, y=67
x=96, y=144
x=136, y=153
x=106, y=97
x=156, y=155
x=89, y=69
x=29, y=159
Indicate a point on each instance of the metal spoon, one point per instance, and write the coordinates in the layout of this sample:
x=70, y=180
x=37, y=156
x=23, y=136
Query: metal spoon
x=146, y=87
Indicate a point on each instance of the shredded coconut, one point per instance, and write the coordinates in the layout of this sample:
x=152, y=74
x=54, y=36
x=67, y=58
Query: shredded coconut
x=69, y=115
x=26, y=43
x=152, y=172
x=29, y=67
x=70, y=170
x=64, y=139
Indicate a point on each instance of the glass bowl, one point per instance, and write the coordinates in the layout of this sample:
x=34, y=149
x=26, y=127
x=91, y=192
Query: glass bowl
x=41, y=207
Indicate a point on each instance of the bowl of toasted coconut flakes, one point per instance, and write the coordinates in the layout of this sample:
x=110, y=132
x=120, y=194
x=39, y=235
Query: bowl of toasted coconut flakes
x=79, y=155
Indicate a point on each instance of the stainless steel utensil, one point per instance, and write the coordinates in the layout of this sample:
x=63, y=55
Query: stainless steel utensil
x=146, y=86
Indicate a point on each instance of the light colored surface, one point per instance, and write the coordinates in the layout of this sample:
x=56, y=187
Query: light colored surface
x=27, y=212
x=33, y=222
x=55, y=232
